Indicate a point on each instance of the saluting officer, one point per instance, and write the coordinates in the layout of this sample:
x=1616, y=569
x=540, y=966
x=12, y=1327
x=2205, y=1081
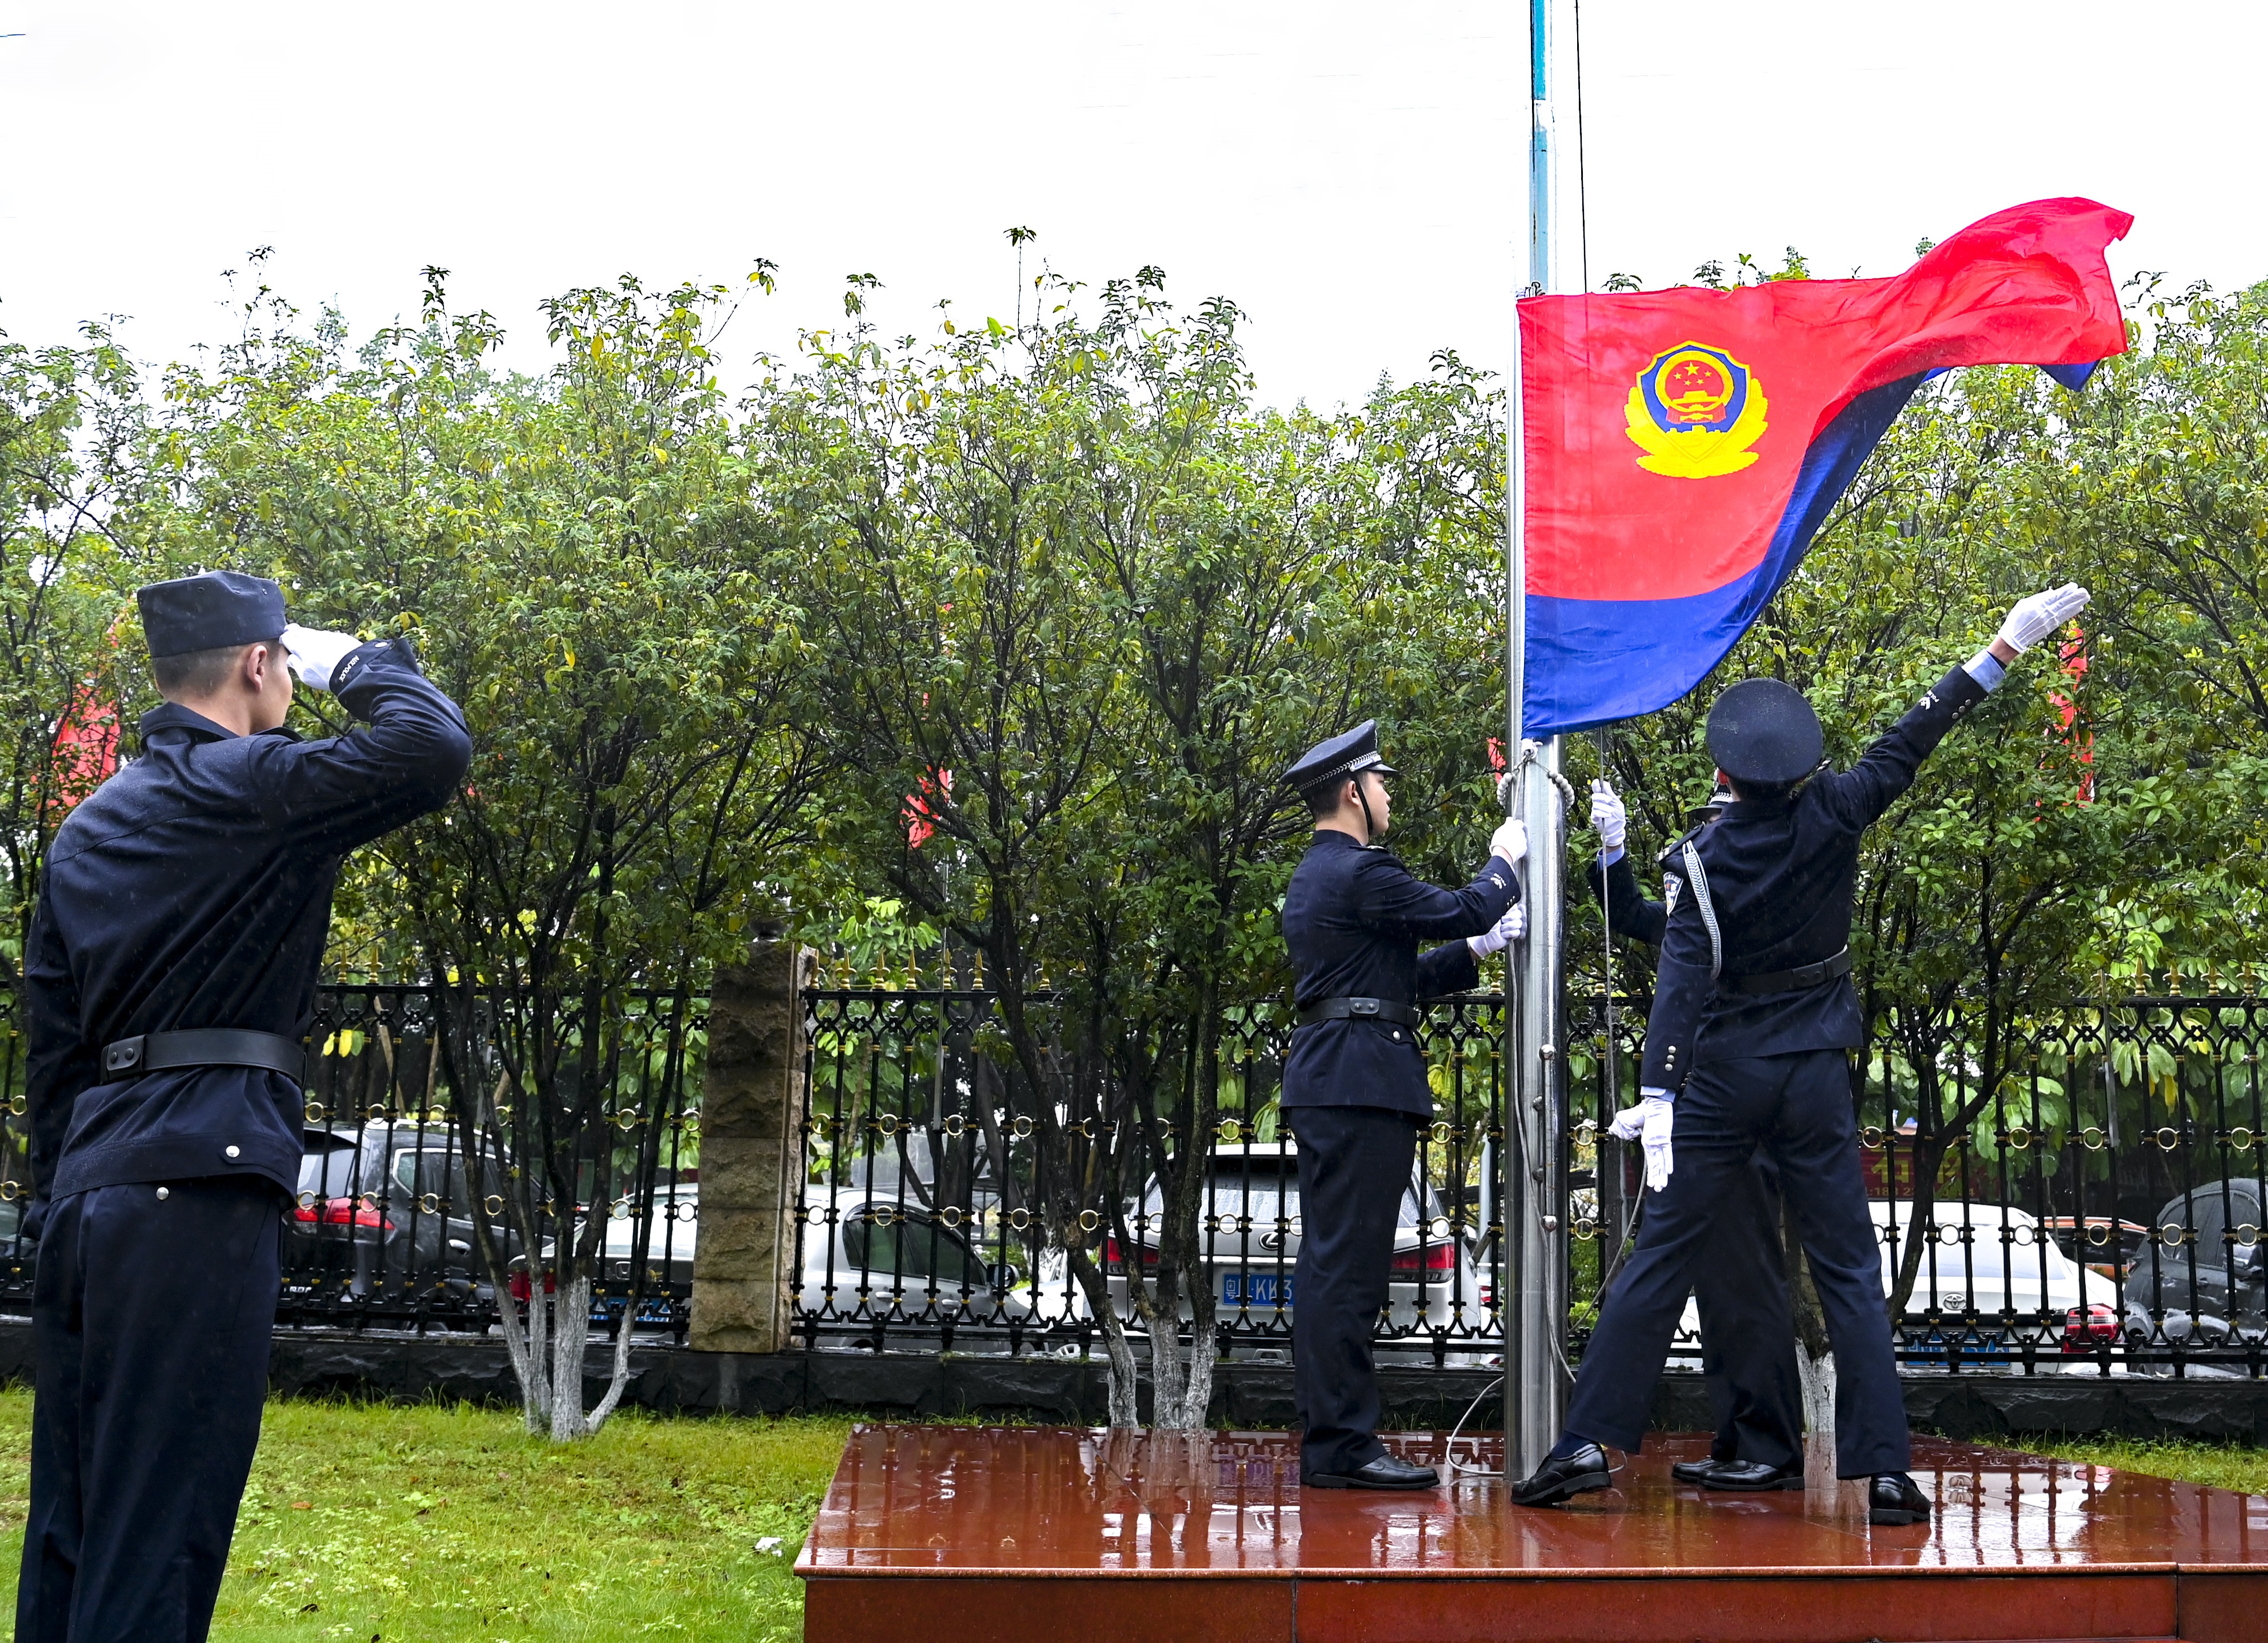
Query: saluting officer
x=170, y=984
x=1740, y=1290
x=1354, y=1083
x=1754, y=1020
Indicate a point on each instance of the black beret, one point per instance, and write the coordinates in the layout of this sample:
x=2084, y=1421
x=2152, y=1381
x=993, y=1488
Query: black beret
x=204, y=613
x=1340, y=756
x=1762, y=731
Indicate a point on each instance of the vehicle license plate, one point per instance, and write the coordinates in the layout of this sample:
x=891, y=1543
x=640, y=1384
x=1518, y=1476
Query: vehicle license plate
x=1255, y=1289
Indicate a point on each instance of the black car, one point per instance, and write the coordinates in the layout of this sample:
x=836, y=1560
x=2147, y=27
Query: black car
x=2205, y=1258
x=384, y=1218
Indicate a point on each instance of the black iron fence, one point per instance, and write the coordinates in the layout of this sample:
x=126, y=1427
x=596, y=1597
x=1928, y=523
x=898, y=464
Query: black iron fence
x=382, y=1233
x=2081, y=1189
x=934, y=1201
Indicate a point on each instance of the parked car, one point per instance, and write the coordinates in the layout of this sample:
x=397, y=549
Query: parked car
x=384, y=1212
x=1249, y=1236
x=2105, y=1245
x=1986, y=1259
x=884, y=1260
x=670, y=1238
x=1993, y=1275
x=2205, y=1258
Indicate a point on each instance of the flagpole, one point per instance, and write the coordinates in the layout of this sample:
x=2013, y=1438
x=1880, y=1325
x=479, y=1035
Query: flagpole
x=1534, y=1241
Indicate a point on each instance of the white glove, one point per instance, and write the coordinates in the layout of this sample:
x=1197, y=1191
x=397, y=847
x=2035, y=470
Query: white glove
x=1608, y=816
x=1509, y=841
x=2033, y=619
x=1507, y=930
x=1649, y=1123
x=316, y=653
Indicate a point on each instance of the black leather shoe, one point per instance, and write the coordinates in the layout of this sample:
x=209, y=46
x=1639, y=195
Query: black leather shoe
x=1752, y=1477
x=1385, y=1473
x=1564, y=1478
x=1892, y=1498
x=1694, y=1472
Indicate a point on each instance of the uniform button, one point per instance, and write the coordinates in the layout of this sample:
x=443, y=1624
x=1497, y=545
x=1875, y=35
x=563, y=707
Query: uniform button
x=163, y=1193
x=1397, y=1035
x=232, y=1151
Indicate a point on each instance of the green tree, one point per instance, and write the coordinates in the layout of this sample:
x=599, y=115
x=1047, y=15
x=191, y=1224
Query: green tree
x=576, y=556
x=1069, y=564
x=71, y=423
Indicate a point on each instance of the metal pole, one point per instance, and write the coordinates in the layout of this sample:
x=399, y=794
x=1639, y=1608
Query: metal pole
x=1535, y=1394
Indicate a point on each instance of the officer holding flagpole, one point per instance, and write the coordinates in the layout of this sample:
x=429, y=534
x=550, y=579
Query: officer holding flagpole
x=170, y=983
x=1355, y=1091
x=1754, y=1020
x=1739, y=1292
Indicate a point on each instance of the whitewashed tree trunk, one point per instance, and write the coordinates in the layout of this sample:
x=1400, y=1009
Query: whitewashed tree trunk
x=1817, y=1376
x=516, y=1332
x=1197, y=1383
x=1167, y=1372
x=546, y=1343
x=1180, y=1379
x=1124, y=1379
x=570, y=1333
x=1814, y=1360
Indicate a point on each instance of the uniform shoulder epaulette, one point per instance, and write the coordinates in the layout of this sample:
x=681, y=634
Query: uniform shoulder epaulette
x=1676, y=846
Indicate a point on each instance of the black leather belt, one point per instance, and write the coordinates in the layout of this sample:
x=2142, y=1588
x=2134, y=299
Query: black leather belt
x=126, y=1059
x=1793, y=980
x=1360, y=1009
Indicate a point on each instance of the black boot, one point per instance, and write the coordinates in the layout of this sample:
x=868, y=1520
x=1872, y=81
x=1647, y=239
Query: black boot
x=1385, y=1473
x=1893, y=1498
x=1563, y=1477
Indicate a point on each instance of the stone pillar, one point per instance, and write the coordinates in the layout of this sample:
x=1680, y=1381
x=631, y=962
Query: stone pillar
x=744, y=1267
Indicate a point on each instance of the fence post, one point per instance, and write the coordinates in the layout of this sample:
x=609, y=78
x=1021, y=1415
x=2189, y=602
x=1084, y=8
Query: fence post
x=752, y=1099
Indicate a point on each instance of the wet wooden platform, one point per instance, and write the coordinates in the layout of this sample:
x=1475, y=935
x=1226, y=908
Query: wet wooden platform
x=936, y=1534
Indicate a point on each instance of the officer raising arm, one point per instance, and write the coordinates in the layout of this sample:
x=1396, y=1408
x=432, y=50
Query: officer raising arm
x=1354, y=1083
x=169, y=985
x=1754, y=1021
x=1748, y=1357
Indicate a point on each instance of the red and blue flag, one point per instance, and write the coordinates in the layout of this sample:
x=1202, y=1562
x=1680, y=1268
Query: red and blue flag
x=1684, y=446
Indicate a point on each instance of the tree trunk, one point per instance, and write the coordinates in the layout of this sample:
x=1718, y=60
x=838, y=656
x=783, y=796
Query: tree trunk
x=1197, y=1385
x=570, y=1333
x=1181, y=1382
x=1124, y=1379
x=1814, y=1358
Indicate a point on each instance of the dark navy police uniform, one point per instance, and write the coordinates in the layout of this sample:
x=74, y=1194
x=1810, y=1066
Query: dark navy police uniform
x=1747, y=1340
x=192, y=890
x=1759, y=1042
x=1354, y=1095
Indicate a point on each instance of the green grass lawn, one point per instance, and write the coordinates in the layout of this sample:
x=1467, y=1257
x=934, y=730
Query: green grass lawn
x=2223, y=1466
x=434, y=1525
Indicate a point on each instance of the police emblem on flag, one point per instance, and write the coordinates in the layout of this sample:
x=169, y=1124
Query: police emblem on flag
x=1695, y=411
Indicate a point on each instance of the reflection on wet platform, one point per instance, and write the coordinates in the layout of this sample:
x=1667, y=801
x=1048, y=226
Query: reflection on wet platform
x=943, y=1533
x=1009, y=1499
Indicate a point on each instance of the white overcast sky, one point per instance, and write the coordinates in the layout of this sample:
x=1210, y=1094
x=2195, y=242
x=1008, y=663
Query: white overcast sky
x=1349, y=173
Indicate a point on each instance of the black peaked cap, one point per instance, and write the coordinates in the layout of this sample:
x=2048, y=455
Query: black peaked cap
x=204, y=613
x=1340, y=756
x=1763, y=732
